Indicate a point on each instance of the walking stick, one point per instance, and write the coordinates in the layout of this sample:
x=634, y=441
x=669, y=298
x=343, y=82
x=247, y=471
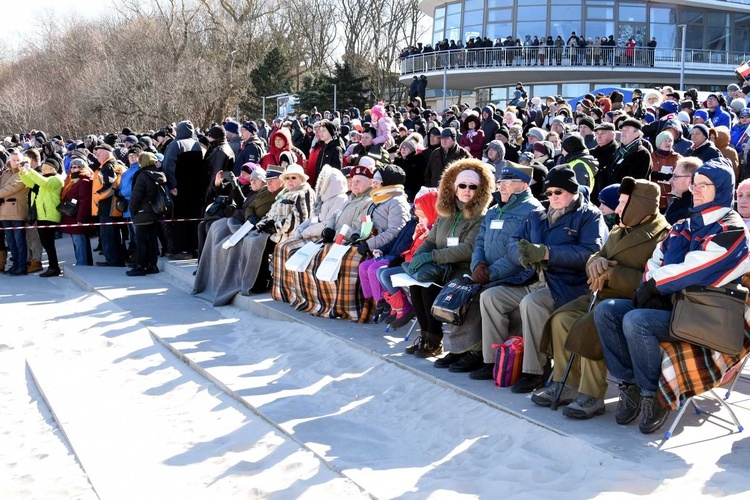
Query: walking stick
x=572, y=358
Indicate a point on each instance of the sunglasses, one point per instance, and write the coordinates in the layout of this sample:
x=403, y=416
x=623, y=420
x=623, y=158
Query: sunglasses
x=556, y=192
x=473, y=187
x=290, y=178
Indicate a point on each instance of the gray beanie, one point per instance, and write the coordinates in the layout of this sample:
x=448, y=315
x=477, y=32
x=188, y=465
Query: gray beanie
x=537, y=132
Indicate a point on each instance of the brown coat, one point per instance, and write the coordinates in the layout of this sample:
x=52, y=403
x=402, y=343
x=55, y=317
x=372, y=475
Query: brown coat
x=631, y=251
x=16, y=196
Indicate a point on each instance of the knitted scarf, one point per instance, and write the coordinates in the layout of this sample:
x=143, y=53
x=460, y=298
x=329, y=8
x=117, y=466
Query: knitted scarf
x=385, y=193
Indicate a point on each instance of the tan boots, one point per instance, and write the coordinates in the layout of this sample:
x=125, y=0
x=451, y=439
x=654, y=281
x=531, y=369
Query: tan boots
x=34, y=266
x=3, y=260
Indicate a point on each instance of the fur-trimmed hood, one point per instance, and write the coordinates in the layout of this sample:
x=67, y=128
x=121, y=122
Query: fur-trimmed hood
x=446, y=203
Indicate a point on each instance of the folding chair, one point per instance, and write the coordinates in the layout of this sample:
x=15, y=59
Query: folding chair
x=730, y=376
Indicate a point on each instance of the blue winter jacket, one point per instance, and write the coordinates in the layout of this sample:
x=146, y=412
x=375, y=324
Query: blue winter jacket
x=491, y=244
x=126, y=185
x=720, y=117
x=571, y=241
x=402, y=242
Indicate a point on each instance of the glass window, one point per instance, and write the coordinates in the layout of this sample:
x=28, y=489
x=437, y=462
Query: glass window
x=439, y=12
x=438, y=25
x=532, y=2
x=564, y=28
x=491, y=4
x=538, y=28
x=691, y=17
x=741, y=41
x=499, y=15
x=498, y=30
x=570, y=90
x=473, y=5
x=543, y=91
x=498, y=94
x=694, y=37
x=472, y=31
x=602, y=11
x=566, y=12
x=453, y=21
x=741, y=21
x=474, y=17
x=564, y=2
x=663, y=15
x=528, y=14
x=452, y=33
x=599, y=29
x=632, y=12
x=665, y=34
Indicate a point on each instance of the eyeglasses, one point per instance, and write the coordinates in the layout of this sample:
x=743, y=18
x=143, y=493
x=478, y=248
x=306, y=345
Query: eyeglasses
x=556, y=192
x=508, y=181
x=290, y=178
x=700, y=186
x=680, y=176
x=473, y=187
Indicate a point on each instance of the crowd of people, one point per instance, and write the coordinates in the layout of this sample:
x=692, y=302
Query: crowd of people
x=577, y=50
x=579, y=223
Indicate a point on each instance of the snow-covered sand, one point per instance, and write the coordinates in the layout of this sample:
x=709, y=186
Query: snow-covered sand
x=322, y=407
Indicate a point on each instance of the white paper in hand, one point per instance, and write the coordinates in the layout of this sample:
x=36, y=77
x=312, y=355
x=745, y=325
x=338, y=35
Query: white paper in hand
x=299, y=261
x=237, y=236
x=329, y=268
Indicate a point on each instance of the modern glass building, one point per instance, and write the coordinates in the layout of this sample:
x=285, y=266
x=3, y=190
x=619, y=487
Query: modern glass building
x=717, y=40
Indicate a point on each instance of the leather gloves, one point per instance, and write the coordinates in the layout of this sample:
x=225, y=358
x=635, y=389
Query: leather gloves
x=267, y=226
x=530, y=253
x=363, y=248
x=328, y=235
x=419, y=260
x=481, y=273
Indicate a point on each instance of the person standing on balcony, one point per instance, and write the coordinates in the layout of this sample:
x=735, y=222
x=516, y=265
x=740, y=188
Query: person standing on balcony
x=651, y=50
x=559, y=46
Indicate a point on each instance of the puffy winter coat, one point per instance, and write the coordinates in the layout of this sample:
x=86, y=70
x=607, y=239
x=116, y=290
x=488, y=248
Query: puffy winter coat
x=495, y=233
x=145, y=185
x=571, y=240
x=48, y=196
x=330, y=196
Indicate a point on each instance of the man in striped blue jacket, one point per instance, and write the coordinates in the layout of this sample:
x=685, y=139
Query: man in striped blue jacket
x=709, y=248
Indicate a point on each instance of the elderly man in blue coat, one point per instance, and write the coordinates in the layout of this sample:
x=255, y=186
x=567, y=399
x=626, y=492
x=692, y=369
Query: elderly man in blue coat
x=556, y=244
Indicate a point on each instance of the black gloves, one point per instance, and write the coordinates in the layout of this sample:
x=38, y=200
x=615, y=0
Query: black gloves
x=363, y=248
x=266, y=226
x=328, y=235
x=647, y=296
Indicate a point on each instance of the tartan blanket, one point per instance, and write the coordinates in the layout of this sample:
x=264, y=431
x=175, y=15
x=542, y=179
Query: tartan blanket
x=342, y=299
x=689, y=370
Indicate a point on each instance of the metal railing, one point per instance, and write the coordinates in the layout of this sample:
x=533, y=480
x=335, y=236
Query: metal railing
x=498, y=57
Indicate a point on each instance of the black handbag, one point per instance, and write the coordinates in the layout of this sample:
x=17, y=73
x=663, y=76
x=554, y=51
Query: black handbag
x=452, y=303
x=218, y=208
x=712, y=317
x=121, y=204
x=69, y=208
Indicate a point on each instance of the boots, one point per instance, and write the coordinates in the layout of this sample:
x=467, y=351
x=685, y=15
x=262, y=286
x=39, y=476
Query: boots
x=34, y=267
x=402, y=306
x=380, y=311
x=3, y=260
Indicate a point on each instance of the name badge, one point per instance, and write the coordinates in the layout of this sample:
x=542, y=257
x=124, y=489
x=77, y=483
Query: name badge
x=314, y=219
x=497, y=224
x=666, y=170
x=453, y=241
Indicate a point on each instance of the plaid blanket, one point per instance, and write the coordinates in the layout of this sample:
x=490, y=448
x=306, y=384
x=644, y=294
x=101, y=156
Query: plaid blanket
x=285, y=283
x=341, y=299
x=688, y=370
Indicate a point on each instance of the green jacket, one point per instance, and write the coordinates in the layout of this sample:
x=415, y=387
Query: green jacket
x=48, y=197
x=459, y=256
x=260, y=206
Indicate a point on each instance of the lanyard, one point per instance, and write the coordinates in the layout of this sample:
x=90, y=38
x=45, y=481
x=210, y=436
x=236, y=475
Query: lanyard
x=455, y=223
x=501, y=210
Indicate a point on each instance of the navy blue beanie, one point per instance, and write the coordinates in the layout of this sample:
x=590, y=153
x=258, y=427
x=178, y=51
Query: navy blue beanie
x=610, y=196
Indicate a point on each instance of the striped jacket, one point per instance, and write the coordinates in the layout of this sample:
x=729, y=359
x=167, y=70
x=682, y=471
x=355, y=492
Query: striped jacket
x=710, y=249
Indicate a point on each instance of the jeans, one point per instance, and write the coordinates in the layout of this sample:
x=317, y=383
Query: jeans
x=17, y=243
x=630, y=341
x=111, y=239
x=384, y=277
x=82, y=249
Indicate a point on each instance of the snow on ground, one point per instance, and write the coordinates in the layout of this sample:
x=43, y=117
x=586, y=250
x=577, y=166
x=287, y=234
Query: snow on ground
x=140, y=420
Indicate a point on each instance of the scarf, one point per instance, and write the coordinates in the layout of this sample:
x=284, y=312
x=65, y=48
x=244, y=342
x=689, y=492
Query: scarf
x=385, y=193
x=555, y=215
x=471, y=133
x=243, y=181
x=623, y=151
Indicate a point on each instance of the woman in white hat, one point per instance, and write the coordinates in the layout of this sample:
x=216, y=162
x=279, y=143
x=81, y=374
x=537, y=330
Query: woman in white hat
x=292, y=207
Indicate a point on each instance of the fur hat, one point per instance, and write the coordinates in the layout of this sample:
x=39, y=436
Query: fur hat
x=643, y=201
x=232, y=127
x=477, y=206
x=217, y=133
